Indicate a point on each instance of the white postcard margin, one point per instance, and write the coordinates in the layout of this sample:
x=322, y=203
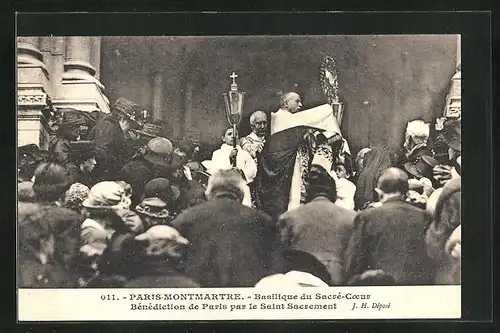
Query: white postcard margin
x=204, y=304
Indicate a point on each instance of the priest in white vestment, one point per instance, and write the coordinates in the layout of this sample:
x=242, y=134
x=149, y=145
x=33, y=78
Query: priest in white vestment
x=296, y=136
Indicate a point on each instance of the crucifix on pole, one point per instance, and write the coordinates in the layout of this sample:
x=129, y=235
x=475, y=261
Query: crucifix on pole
x=234, y=106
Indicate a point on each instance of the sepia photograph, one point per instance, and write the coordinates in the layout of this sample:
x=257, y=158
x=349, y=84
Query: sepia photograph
x=239, y=170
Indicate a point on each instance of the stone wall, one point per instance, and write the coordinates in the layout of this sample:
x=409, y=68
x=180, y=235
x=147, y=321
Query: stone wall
x=385, y=81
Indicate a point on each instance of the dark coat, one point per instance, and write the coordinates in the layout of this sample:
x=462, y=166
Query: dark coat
x=391, y=238
x=231, y=245
x=59, y=148
x=112, y=151
x=122, y=256
x=65, y=224
x=377, y=160
x=33, y=274
x=322, y=229
x=160, y=274
x=137, y=173
x=447, y=216
x=275, y=170
x=399, y=158
x=192, y=193
x=76, y=175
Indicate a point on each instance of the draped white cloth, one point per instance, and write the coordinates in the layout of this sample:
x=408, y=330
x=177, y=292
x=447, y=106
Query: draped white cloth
x=320, y=118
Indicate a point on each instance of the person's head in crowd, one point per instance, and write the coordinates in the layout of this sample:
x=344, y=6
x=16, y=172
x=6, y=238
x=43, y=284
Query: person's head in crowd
x=128, y=222
x=83, y=155
x=51, y=183
x=360, y=159
x=417, y=133
x=159, y=152
x=422, y=167
x=181, y=158
x=342, y=170
x=36, y=237
x=74, y=197
x=292, y=279
x=393, y=183
x=320, y=184
x=226, y=184
x=125, y=111
x=372, y=278
x=163, y=189
x=291, y=102
x=163, y=242
x=415, y=194
x=302, y=261
x=258, y=123
x=227, y=136
x=184, y=151
x=69, y=127
x=428, y=186
x=153, y=211
x=126, y=187
x=104, y=199
x=377, y=160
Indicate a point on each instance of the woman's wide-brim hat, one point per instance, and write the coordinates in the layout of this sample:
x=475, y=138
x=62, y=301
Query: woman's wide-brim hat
x=159, y=152
x=163, y=189
x=82, y=150
x=107, y=195
x=129, y=109
x=153, y=207
x=71, y=118
x=422, y=167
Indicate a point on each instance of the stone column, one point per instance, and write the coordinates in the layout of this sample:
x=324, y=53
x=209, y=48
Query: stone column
x=57, y=69
x=78, y=53
x=80, y=89
x=95, y=56
x=46, y=50
x=33, y=88
x=157, y=95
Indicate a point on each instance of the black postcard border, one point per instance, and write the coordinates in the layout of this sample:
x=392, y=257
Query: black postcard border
x=475, y=28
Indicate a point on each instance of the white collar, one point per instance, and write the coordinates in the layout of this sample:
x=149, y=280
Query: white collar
x=225, y=146
x=255, y=137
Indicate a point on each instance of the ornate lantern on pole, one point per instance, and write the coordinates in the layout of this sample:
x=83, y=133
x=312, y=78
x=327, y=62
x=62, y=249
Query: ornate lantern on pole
x=330, y=86
x=234, y=106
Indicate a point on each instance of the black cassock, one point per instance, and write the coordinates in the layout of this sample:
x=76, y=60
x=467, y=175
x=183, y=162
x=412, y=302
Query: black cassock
x=275, y=170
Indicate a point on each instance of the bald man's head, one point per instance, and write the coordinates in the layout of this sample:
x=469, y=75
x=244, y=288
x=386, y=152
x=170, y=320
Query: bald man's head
x=258, y=123
x=291, y=101
x=393, y=181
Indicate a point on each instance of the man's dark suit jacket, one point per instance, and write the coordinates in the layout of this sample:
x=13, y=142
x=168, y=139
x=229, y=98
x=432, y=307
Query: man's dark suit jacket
x=231, y=245
x=321, y=229
x=391, y=238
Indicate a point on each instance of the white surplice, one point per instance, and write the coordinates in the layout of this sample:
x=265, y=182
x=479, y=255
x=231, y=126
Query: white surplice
x=320, y=118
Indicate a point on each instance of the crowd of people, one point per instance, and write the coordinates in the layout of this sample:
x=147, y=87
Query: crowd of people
x=127, y=207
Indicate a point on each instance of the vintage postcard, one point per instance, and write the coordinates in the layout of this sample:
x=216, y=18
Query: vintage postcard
x=239, y=177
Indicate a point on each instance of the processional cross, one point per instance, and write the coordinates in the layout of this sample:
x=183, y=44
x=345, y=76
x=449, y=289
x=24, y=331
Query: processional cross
x=233, y=76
